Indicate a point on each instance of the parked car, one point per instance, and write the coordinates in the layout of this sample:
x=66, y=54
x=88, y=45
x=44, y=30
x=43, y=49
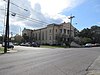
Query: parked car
x=15, y=44
x=35, y=44
x=89, y=45
x=10, y=45
x=97, y=45
x=24, y=44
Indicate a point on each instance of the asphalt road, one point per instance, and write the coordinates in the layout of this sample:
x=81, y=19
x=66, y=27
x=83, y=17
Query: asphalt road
x=45, y=61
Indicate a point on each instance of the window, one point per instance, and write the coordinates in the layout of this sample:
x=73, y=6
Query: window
x=39, y=36
x=42, y=35
x=68, y=31
x=50, y=30
x=56, y=37
x=50, y=38
x=36, y=36
x=56, y=30
x=46, y=35
x=60, y=30
x=64, y=30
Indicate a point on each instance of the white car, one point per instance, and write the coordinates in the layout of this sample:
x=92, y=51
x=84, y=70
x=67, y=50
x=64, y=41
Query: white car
x=89, y=45
x=24, y=44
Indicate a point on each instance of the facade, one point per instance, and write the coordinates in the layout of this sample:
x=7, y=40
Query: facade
x=53, y=33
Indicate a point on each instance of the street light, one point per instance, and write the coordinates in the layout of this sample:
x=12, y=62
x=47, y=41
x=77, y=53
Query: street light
x=71, y=17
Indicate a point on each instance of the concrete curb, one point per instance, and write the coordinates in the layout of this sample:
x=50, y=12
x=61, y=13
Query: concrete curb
x=95, y=67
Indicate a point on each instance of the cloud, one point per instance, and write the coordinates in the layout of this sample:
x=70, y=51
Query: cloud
x=39, y=19
x=48, y=11
x=53, y=7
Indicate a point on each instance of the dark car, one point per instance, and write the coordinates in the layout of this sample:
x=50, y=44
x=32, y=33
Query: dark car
x=10, y=45
x=35, y=44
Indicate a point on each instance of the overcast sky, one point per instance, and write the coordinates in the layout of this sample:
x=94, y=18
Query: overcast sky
x=35, y=14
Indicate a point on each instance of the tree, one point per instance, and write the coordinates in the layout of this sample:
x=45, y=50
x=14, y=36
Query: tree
x=86, y=40
x=95, y=30
x=85, y=33
x=91, y=35
x=18, y=38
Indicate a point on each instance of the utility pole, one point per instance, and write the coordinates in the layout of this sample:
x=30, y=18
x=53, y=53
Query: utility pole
x=6, y=39
x=71, y=17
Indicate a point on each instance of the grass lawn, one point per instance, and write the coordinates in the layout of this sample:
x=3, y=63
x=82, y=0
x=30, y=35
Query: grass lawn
x=1, y=50
x=47, y=46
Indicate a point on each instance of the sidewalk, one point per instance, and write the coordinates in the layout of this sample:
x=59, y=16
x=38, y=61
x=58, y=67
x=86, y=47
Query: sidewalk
x=95, y=67
x=11, y=51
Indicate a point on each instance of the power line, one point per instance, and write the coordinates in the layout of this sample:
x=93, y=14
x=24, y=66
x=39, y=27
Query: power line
x=26, y=10
x=32, y=19
x=23, y=8
x=29, y=19
x=21, y=16
x=17, y=5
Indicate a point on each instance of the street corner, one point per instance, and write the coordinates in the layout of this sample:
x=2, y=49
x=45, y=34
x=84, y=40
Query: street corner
x=95, y=72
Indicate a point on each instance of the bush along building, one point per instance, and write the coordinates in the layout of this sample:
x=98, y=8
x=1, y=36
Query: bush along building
x=53, y=34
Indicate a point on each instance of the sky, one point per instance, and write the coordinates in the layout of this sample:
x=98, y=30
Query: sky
x=34, y=14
